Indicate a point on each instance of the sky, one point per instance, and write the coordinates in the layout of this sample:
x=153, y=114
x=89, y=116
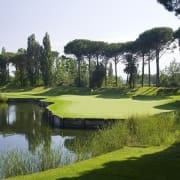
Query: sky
x=65, y=20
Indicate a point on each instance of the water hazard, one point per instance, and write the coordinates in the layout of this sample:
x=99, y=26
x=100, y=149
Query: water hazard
x=23, y=126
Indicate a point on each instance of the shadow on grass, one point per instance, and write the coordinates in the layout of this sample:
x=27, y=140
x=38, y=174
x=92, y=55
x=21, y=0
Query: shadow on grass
x=168, y=91
x=149, y=91
x=175, y=106
x=113, y=93
x=63, y=90
x=158, y=166
x=13, y=89
x=149, y=98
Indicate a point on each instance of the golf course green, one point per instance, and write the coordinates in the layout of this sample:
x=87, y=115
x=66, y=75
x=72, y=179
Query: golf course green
x=103, y=104
x=143, y=162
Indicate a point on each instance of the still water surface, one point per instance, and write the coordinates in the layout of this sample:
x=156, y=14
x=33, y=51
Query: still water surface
x=23, y=126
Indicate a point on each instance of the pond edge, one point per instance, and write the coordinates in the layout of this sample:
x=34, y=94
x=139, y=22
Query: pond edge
x=66, y=123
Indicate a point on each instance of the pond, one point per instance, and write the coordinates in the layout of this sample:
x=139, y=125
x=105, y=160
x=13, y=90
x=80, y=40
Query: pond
x=23, y=126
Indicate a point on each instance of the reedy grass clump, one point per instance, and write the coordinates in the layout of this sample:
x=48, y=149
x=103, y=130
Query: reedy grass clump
x=3, y=98
x=18, y=162
x=135, y=131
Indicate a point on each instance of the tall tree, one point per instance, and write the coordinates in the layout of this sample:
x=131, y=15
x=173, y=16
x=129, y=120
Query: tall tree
x=3, y=70
x=158, y=39
x=75, y=47
x=115, y=51
x=110, y=73
x=105, y=62
x=5, y=58
x=19, y=60
x=87, y=50
x=177, y=36
x=46, y=61
x=98, y=50
x=161, y=37
x=171, y=5
x=34, y=56
x=65, y=71
x=144, y=49
x=98, y=76
x=131, y=68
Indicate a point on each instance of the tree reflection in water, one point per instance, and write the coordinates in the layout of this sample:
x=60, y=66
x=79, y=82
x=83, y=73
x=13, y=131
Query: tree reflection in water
x=23, y=126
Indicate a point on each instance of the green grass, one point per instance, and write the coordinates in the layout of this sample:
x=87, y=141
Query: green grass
x=129, y=163
x=155, y=162
x=74, y=106
x=103, y=103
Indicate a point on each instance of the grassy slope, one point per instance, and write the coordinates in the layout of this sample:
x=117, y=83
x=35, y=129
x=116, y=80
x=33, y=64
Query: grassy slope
x=113, y=103
x=129, y=163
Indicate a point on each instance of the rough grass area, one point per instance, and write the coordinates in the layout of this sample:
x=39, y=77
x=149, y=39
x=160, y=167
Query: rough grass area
x=163, y=129
x=71, y=102
x=17, y=162
x=136, y=163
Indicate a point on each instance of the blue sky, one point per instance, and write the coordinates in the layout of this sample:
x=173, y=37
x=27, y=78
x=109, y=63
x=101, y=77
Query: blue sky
x=65, y=20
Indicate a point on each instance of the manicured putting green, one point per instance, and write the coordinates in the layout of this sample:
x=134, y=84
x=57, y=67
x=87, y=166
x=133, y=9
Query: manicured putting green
x=75, y=106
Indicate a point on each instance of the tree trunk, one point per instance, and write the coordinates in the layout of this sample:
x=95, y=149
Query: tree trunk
x=149, y=71
x=142, y=81
x=157, y=68
x=8, y=72
x=89, y=59
x=133, y=83
x=115, y=63
x=79, y=72
x=97, y=59
x=105, y=74
x=21, y=79
x=130, y=81
x=127, y=80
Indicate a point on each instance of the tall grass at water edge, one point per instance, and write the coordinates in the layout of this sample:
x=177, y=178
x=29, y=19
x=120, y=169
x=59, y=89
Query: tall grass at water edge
x=19, y=162
x=156, y=130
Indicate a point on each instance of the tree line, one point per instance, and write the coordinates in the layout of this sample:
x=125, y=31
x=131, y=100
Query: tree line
x=90, y=62
x=150, y=45
x=32, y=65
